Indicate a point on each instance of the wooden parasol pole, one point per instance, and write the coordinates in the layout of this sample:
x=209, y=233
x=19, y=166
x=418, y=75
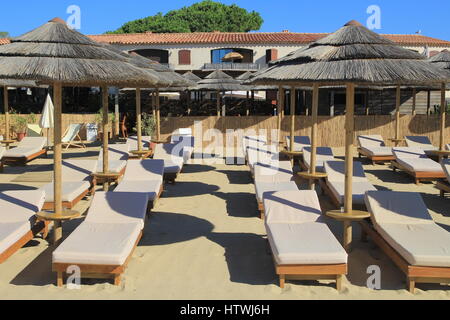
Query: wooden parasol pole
x=315, y=113
x=139, y=118
x=57, y=157
x=218, y=103
x=428, y=102
x=105, y=101
x=349, y=129
x=6, y=106
x=153, y=105
x=292, y=118
x=281, y=98
x=158, y=116
x=414, y=102
x=443, y=116
x=397, y=114
x=117, y=115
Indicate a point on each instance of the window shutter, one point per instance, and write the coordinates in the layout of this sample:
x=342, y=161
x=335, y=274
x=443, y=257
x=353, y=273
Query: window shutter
x=271, y=54
x=184, y=57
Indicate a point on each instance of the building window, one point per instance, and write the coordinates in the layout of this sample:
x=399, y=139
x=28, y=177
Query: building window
x=161, y=56
x=184, y=57
x=218, y=55
x=271, y=55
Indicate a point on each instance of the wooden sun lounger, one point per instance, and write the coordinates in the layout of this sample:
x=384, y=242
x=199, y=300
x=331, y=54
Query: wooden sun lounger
x=418, y=176
x=443, y=186
x=375, y=159
x=12, y=161
x=414, y=274
x=72, y=204
x=95, y=271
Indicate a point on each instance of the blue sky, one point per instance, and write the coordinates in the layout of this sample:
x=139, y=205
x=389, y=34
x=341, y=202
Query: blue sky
x=397, y=16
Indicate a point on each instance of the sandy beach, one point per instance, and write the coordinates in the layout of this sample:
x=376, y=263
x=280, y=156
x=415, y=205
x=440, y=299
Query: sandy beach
x=205, y=240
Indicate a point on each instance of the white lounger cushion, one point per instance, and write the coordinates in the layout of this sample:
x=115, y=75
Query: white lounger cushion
x=262, y=189
x=116, y=152
x=11, y=232
x=98, y=244
x=299, y=143
x=151, y=188
x=305, y=244
x=2, y=152
x=70, y=190
x=172, y=154
x=22, y=152
x=144, y=170
x=115, y=166
x=292, y=207
x=447, y=147
x=416, y=160
x=378, y=151
x=267, y=155
x=371, y=141
x=27, y=147
x=118, y=207
x=420, y=142
x=20, y=206
x=336, y=171
x=389, y=207
x=419, y=244
x=78, y=170
x=323, y=154
x=278, y=172
x=253, y=141
x=359, y=190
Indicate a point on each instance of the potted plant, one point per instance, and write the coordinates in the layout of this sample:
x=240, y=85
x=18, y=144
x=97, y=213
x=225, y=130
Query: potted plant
x=148, y=127
x=99, y=120
x=20, y=124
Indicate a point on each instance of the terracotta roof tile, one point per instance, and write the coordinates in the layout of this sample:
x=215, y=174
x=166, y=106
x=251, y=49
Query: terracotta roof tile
x=245, y=38
x=248, y=38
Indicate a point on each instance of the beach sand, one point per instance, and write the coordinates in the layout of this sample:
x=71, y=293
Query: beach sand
x=205, y=240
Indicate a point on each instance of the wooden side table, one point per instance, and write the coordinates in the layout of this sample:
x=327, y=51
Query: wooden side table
x=106, y=178
x=7, y=143
x=57, y=220
x=348, y=218
x=397, y=142
x=440, y=154
x=312, y=177
x=142, y=154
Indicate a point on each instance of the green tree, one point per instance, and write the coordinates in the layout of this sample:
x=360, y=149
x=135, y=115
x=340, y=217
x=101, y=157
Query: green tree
x=4, y=34
x=205, y=16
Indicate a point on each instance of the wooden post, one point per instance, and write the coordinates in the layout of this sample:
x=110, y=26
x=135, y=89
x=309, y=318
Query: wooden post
x=397, y=113
x=280, y=110
x=153, y=105
x=332, y=105
x=105, y=97
x=6, y=106
x=443, y=116
x=158, y=116
x=57, y=149
x=414, y=102
x=292, y=118
x=366, y=100
x=428, y=102
x=117, y=115
x=349, y=128
x=218, y=103
x=315, y=113
x=139, y=119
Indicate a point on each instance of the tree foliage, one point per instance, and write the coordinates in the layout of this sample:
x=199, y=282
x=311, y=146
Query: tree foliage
x=205, y=16
x=4, y=34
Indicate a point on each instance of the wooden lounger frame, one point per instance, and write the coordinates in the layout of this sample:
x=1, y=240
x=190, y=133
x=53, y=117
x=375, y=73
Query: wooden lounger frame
x=419, y=175
x=100, y=180
x=375, y=159
x=13, y=161
x=95, y=271
x=153, y=203
x=312, y=272
x=73, y=203
x=444, y=187
x=414, y=274
x=39, y=227
x=171, y=177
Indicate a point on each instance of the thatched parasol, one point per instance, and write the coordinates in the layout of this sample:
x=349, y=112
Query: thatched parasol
x=232, y=56
x=55, y=55
x=442, y=61
x=220, y=82
x=351, y=56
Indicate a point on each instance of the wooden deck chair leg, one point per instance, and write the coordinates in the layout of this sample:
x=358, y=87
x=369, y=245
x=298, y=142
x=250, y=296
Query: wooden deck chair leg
x=339, y=281
x=411, y=286
x=45, y=230
x=59, y=279
x=282, y=281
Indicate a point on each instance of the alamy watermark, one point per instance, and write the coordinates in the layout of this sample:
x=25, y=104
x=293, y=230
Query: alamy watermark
x=74, y=19
x=374, y=20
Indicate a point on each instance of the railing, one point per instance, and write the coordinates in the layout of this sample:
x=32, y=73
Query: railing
x=234, y=66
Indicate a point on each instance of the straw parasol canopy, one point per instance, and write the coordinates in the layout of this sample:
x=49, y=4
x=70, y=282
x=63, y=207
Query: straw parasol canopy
x=191, y=77
x=54, y=54
x=220, y=82
x=351, y=56
x=441, y=60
